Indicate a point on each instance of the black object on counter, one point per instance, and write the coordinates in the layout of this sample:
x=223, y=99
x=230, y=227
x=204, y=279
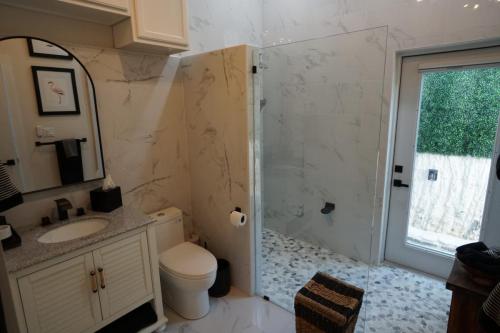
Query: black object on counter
x=105, y=201
x=14, y=240
x=222, y=283
x=133, y=321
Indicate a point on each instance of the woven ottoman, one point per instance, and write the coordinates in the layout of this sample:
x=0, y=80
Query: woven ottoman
x=326, y=304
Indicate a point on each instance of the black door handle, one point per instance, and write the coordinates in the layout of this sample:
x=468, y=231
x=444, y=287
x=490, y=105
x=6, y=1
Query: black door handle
x=8, y=162
x=498, y=167
x=399, y=183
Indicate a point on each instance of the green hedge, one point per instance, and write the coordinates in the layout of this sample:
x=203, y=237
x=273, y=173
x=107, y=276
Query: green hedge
x=459, y=112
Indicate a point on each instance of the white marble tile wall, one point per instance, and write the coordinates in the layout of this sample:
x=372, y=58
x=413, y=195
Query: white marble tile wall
x=217, y=24
x=218, y=101
x=411, y=24
x=321, y=130
x=140, y=104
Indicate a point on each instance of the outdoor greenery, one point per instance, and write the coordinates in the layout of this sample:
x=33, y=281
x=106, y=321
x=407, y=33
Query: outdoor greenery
x=459, y=112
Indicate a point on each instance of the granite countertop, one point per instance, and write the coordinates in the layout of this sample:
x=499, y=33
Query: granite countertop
x=33, y=252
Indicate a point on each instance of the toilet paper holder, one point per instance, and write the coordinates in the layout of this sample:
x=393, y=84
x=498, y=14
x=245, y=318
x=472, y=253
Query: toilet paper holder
x=236, y=209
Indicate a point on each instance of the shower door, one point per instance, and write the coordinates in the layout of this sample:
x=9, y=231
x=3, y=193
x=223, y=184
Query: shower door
x=444, y=159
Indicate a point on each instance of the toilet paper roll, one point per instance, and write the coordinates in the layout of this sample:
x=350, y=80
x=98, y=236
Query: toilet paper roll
x=237, y=219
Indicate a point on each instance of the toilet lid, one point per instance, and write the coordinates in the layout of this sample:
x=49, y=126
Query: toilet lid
x=188, y=260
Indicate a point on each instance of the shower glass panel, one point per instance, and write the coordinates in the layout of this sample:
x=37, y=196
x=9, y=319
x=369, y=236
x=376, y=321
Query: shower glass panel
x=319, y=132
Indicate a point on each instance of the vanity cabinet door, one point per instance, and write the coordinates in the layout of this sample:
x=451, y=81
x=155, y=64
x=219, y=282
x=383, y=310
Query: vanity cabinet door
x=62, y=298
x=124, y=275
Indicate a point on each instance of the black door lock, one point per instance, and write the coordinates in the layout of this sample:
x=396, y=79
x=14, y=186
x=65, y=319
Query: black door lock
x=399, y=183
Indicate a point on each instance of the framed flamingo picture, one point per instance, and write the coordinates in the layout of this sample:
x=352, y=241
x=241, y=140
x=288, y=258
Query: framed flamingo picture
x=56, y=92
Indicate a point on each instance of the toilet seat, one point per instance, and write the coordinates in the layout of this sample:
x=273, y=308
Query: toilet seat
x=188, y=261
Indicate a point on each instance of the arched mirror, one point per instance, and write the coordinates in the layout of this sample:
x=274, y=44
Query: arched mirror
x=49, y=126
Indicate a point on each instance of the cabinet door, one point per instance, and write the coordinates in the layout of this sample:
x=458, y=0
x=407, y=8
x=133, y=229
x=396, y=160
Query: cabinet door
x=61, y=298
x=124, y=274
x=162, y=21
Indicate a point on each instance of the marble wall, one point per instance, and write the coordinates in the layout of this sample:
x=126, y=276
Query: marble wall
x=215, y=24
x=141, y=102
x=219, y=107
x=321, y=130
x=411, y=25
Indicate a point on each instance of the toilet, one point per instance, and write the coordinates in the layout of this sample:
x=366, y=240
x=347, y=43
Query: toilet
x=187, y=270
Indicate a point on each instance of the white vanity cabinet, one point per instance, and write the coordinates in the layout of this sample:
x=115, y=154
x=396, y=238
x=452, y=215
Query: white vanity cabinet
x=123, y=274
x=60, y=298
x=155, y=25
x=88, y=291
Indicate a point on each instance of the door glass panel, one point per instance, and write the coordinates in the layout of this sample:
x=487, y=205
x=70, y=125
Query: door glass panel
x=455, y=143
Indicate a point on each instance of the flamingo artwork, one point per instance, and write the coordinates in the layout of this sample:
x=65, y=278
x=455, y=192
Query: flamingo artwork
x=56, y=90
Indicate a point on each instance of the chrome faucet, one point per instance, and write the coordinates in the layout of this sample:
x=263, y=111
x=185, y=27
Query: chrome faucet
x=63, y=205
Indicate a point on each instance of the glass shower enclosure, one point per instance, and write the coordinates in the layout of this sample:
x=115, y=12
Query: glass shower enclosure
x=317, y=143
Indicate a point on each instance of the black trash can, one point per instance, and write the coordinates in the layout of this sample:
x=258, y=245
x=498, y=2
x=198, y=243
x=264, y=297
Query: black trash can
x=222, y=283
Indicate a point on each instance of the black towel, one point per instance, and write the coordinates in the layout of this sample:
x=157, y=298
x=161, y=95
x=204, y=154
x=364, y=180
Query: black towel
x=69, y=158
x=9, y=195
x=479, y=256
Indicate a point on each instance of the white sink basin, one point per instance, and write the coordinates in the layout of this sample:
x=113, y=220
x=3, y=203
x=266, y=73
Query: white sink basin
x=74, y=230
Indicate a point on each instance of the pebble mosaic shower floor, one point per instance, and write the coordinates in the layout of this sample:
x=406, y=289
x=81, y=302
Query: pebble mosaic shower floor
x=396, y=300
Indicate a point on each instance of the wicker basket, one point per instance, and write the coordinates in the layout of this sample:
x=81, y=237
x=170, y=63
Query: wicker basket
x=326, y=304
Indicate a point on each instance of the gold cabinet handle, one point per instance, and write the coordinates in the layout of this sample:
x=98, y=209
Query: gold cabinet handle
x=93, y=279
x=101, y=277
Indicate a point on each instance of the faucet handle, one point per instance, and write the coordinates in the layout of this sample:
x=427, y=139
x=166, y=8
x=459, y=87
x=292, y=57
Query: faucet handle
x=63, y=203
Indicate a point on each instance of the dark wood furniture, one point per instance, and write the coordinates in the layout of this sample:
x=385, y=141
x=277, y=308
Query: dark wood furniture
x=468, y=295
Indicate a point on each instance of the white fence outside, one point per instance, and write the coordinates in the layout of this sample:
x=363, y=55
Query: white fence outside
x=447, y=212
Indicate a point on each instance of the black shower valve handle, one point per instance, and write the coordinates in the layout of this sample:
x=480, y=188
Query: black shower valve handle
x=329, y=207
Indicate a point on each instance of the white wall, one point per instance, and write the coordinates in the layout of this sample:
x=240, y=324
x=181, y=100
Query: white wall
x=219, y=108
x=411, y=25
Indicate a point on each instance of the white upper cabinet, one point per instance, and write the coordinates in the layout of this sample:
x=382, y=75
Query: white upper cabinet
x=116, y=6
x=106, y=12
x=158, y=26
x=155, y=25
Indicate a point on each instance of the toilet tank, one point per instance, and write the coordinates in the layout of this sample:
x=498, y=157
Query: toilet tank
x=169, y=228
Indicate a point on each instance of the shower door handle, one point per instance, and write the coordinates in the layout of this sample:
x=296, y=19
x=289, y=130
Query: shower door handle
x=399, y=183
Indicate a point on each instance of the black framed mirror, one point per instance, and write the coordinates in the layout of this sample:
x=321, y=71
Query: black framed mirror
x=49, y=124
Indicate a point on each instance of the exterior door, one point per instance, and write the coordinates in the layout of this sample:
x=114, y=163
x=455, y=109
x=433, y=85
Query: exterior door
x=446, y=149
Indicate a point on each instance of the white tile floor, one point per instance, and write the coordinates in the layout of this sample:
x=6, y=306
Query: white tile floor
x=235, y=313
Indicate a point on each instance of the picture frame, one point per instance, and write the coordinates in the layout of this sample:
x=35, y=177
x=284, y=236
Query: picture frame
x=43, y=49
x=56, y=92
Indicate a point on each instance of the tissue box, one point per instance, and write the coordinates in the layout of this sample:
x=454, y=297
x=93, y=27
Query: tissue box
x=105, y=201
